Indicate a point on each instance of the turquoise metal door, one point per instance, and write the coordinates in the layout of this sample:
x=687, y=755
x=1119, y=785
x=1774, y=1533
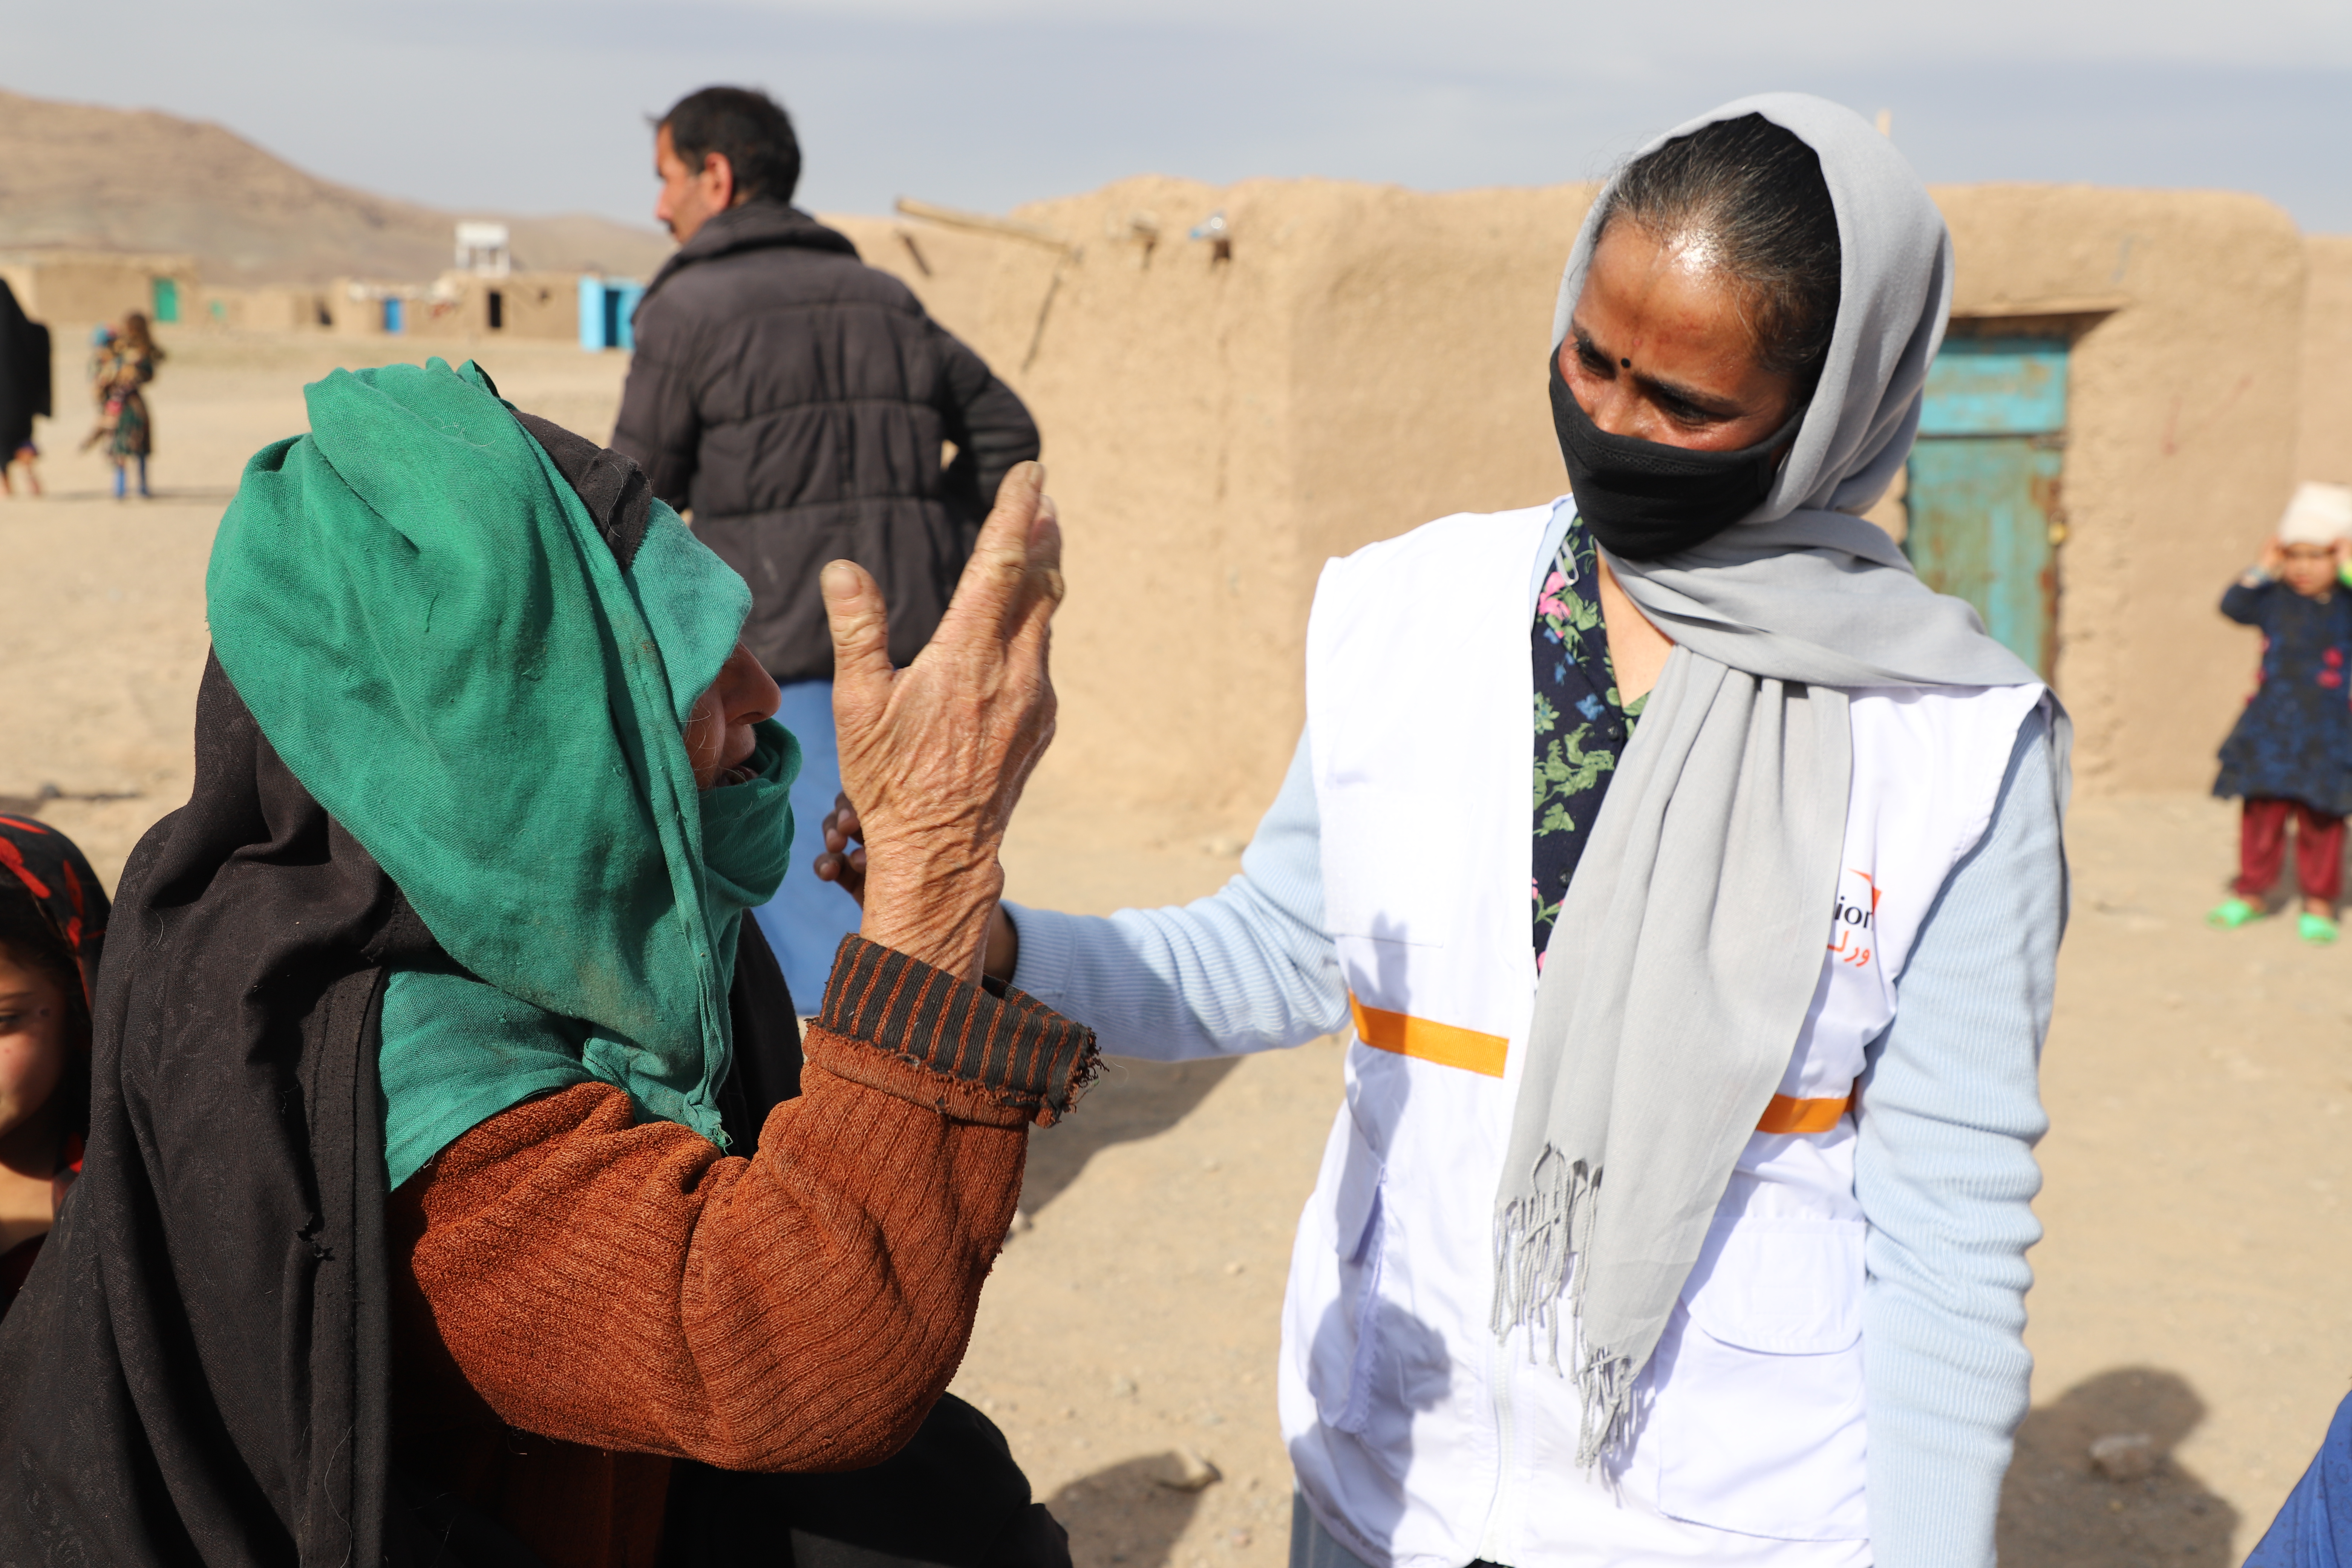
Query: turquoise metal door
x=592, y=311
x=1982, y=493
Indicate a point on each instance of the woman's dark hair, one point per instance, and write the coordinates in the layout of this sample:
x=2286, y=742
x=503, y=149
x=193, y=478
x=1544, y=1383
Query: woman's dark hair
x=29, y=940
x=748, y=129
x=1751, y=195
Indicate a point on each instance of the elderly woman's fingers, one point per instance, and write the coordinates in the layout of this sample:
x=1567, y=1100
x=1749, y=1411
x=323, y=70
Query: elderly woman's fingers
x=996, y=585
x=1042, y=586
x=860, y=623
x=936, y=754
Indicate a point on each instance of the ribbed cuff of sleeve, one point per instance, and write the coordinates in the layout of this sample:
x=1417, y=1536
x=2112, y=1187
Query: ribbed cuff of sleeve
x=975, y=1053
x=1048, y=953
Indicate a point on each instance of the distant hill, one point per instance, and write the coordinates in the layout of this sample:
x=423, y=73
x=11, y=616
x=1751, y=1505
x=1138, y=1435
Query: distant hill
x=82, y=176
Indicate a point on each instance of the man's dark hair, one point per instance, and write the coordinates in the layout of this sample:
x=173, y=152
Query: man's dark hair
x=748, y=129
x=1751, y=194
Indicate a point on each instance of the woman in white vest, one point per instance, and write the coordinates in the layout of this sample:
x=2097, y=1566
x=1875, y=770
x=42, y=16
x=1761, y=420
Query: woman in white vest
x=1692, y=1230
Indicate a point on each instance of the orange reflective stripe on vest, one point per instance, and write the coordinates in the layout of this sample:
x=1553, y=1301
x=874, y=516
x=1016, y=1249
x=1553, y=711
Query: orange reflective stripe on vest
x=1786, y=1114
x=1424, y=1041
x=1452, y=1046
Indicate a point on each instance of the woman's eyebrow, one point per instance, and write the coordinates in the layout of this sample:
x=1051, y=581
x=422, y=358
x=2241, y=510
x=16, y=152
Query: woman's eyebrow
x=1676, y=391
x=1655, y=386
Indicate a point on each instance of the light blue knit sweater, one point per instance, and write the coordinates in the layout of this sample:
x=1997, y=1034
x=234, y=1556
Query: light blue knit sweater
x=1950, y=1112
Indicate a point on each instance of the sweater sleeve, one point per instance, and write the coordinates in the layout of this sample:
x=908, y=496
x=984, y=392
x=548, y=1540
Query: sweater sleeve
x=627, y=1288
x=2245, y=605
x=1950, y=1112
x=1248, y=968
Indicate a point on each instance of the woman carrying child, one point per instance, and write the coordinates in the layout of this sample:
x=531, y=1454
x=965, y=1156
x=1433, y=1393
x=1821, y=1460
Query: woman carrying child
x=122, y=364
x=2290, y=755
x=52, y=923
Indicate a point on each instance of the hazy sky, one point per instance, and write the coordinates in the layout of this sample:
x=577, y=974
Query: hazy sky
x=539, y=105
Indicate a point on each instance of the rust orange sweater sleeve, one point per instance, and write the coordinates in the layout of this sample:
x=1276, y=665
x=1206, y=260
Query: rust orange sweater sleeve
x=625, y=1286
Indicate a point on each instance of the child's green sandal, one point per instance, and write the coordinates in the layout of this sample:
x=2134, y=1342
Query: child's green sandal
x=2316, y=928
x=2232, y=914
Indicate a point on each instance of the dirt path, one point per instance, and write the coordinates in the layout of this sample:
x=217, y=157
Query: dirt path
x=2196, y=1284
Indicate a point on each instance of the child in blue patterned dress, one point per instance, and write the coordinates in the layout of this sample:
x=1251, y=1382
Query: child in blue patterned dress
x=2290, y=754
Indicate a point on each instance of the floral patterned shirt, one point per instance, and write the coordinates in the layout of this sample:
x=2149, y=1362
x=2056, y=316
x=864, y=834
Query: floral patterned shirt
x=1582, y=727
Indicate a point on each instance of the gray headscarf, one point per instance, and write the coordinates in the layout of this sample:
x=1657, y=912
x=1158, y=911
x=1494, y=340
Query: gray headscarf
x=1691, y=938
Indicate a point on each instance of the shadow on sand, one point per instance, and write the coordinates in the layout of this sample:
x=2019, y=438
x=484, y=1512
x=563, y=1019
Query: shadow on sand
x=2058, y=1511
x=1126, y=1515
x=1133, y=1099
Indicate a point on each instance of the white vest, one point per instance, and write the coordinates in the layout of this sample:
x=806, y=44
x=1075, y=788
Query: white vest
x=1417, y=1438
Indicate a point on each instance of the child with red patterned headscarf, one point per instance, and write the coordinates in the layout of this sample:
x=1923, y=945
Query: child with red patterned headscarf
x=52, y=923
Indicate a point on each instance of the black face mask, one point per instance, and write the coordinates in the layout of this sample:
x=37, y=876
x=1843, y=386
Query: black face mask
x=1643, y=499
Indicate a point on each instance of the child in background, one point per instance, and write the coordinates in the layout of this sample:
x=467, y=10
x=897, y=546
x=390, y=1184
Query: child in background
x=52, y=924
x=2290, y=754
x=129, y=426
x=24, y=457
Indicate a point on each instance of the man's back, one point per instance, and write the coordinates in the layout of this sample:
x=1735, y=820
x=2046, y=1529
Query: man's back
x=798, y=401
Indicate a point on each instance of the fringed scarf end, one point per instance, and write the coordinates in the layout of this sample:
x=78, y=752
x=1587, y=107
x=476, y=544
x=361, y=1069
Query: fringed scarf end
x=1605, y=1384
x=1535, y=1235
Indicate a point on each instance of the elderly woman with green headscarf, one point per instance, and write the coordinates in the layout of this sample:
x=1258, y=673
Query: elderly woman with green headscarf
x=455, y=1186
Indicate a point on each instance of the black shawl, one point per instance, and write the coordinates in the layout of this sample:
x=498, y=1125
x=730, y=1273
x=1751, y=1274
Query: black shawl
x=25, y=383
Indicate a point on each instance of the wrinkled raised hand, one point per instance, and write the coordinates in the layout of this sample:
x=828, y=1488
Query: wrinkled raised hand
x=936, y=754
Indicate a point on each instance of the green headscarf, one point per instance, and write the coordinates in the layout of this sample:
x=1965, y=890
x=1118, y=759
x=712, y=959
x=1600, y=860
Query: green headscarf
x=429, y=630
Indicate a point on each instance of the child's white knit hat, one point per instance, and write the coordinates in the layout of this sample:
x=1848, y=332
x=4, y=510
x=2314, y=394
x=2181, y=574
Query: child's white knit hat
x=2319, y=514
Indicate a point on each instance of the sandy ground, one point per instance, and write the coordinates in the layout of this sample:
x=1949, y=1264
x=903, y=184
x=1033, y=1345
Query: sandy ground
x=2193, y=1285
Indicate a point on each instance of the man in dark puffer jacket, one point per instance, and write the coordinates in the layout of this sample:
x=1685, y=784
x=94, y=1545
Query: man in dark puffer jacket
x=798, y=401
